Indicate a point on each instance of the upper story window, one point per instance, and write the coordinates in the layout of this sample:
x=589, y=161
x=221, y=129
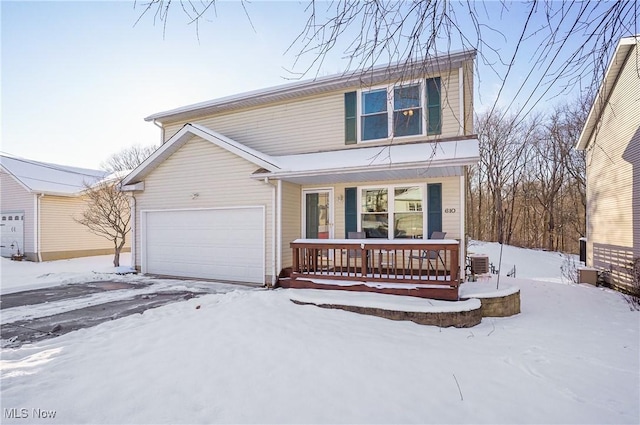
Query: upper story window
x=374, y=116
x=401, y=110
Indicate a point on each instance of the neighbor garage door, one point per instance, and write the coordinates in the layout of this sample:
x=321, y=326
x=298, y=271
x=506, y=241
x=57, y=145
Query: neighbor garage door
x=219, y=244
x=12, y=233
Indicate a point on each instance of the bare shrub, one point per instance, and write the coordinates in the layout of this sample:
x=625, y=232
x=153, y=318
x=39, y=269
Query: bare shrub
x=569, y=269
x=633, y=295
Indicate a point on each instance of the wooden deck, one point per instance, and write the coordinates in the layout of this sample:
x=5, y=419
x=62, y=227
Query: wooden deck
x=414, y=267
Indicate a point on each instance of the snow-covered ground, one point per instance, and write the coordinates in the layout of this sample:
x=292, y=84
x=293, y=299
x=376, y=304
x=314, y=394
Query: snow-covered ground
x=253, y=356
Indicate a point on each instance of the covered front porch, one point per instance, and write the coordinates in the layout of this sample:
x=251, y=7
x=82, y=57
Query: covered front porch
x=415, y=267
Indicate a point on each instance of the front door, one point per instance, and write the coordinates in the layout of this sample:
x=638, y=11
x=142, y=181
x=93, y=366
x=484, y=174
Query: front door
x=318, y=214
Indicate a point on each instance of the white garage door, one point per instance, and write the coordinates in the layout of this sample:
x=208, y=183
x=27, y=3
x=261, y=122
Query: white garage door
x=12, y=233
x=222, y=244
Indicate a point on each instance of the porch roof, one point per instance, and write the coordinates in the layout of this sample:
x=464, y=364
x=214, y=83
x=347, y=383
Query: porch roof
x=389, y=162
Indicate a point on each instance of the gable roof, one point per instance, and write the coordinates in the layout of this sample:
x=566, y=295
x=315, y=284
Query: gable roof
x=618, y=61
x=51, y=179
x=186, y=133
x=372, y=76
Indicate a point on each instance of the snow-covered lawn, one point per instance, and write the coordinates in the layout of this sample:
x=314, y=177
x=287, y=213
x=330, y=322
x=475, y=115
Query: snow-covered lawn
x=252, y=356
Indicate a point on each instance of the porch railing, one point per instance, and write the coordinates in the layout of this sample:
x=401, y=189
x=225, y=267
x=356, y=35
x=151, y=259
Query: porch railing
x=408, y=261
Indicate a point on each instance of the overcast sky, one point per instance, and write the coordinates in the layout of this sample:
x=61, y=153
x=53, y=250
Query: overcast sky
x=78, y=78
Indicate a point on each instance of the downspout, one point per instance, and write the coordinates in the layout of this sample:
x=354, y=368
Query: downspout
x=161, y=131
x=461, y=99
x=274, y=276
x=133, y=239
x=36, y=228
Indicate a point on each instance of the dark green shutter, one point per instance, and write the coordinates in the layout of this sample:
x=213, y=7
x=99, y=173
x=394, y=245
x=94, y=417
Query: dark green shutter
x=434, y=111
x=434, y=208
x=350, y=210
x=313, y=216
x=350, y=119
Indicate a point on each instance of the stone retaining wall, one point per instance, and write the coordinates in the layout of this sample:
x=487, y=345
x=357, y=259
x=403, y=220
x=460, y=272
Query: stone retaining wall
x=506, y=306
x=459, y=319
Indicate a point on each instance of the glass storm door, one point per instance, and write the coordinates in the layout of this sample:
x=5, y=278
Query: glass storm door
x=318, y=214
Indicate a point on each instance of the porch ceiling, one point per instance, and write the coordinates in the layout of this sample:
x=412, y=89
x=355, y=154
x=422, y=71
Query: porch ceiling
x=358, y=176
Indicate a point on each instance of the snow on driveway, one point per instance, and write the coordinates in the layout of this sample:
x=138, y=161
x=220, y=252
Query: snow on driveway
x=253, y=356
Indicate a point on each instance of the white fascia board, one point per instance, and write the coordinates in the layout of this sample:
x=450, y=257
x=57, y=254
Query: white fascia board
x=625, y=46
x=352, y=170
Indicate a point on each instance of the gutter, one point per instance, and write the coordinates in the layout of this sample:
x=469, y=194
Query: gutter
x=274, y=196
x=36, y=228
x=386, y=167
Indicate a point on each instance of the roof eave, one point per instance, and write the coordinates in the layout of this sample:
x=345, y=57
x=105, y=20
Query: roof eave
x=622, y=52
x=383, y=167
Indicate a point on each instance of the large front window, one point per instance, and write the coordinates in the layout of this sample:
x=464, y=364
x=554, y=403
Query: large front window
x=402, y=218
x=407, y=215
x=375, y=212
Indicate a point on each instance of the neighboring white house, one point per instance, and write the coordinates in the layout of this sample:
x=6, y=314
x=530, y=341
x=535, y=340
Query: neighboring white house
x=237, y=179
x=39, y=202
x=611, y=139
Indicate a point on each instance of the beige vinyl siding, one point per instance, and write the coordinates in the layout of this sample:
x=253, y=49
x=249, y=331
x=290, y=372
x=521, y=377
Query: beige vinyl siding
x=450, y=200
x=14, y=197
x=61, y=236
x=291, y=219
x=311, y=124
x=220, y=178
x=468, y=98
x=451, y=117
x=611, y=194
x=298, y=126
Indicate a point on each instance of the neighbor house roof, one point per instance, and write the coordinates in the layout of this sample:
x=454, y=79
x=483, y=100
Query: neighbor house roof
x=47, y=178
x=620, y=57
x=369, y=77
x=409, y=160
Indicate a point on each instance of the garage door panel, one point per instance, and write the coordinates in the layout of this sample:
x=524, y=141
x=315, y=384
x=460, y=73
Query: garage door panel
x=224, y=244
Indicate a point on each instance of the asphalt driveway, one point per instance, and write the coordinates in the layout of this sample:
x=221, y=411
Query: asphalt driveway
x=74, y=312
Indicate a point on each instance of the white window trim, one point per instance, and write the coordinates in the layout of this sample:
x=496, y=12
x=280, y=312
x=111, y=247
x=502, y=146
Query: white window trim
x=390, y=89
x=391, y=204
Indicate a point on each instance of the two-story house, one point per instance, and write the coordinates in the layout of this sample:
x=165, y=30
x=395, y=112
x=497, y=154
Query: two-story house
x=382, y=153
x=611, y=141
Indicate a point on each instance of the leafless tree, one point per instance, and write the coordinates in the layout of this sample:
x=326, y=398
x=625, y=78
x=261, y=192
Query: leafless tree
x=107, y=214
x=128, y=158
x=571, y=41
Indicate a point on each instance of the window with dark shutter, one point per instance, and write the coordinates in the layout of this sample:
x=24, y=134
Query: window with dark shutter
x=434, y=112
x=350, y=118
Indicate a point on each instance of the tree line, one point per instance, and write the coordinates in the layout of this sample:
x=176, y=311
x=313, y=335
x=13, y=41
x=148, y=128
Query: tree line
x=528, y=188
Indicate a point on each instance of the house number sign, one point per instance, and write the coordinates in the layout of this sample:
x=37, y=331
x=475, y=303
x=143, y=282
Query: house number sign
x=449, y=210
